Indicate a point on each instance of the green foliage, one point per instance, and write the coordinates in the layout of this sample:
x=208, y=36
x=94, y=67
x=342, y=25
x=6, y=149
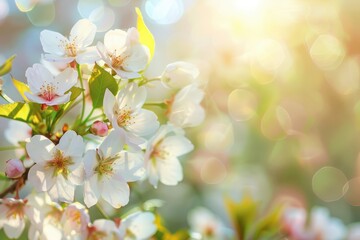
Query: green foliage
x=242, y=214
x=17, y=111
x=3, y=177
x=164, y=234
x=99, y=81
x=24, y=112
x=248, y=225
x=75, y=92
x=6, y=67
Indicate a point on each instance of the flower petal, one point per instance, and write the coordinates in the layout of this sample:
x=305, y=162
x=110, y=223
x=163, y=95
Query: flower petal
x=132, y=96
x=65, y=80
x=39, y=149
x=37, y=76
x=137, y=58
x=152, y=174
x=144, y=123
x=130, y=166
x=57, y=58
x=89, y=56
x=176, y=145
x=115, y=40
x=143, y=225
x=83, y=33
x=113, y=144
x=170, y=171
x=77, y=172
x=116, y=192
x=62, y=190
x=109, y=102
x=40, y=178
x=14, y=227
x=53, y=42
x=91, y=191
x=71, y=144
x=90, y=163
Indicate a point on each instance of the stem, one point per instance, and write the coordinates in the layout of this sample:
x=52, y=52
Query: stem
x=19, y=183
x=96, y=117
x=6, y=97
x=149, y=80
x=82, y=92
x=159, y=104
x=87, y=118
x=102, y=211
x=8, y=148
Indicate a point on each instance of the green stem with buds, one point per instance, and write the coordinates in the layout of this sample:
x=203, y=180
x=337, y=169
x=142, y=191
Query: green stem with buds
x=8, y=148
x=82, y=93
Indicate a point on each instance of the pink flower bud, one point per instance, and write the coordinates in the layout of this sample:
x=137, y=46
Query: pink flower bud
x=14, y=168
x=99, y=128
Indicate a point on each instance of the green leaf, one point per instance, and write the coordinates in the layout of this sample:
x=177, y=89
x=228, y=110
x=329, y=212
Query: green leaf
x=146, y=36
x=25, y=112
x=269, y=225
x=242, y=214
x=17, y=111
x=21, y=87
x=3, y=177
x=75, y=92
x=6, y=67
x=99, y=81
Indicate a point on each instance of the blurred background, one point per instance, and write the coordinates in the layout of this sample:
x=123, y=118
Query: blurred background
x=282, y=82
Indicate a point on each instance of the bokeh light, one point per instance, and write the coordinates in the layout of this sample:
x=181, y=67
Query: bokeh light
x=352, y=189
x=327, y=52
x=164, y=11
x=4, y=9
x=328, y=184
x=242, y=104
x=86, y=7
x=103, y=18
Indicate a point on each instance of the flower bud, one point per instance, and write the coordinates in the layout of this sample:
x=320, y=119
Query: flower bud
x=179, y=74
x=14, y=168
x=99, y=128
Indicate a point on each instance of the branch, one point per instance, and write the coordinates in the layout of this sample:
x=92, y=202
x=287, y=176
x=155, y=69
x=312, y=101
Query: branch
x=19, y=183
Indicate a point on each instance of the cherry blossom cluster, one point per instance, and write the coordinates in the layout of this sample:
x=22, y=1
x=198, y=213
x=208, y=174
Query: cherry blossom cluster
x=114, y=137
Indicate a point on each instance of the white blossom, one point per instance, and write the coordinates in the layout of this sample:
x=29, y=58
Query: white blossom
x=161, y=157
x=58, y=168
x=103, y=229
x=185, y=109
x=48, y=89
x=123, y=52
x=108, y=169
x=75, y=48
x=208, y=225
x=179, y=74
x=138, y=226
x=13, y=214
x=125, y=111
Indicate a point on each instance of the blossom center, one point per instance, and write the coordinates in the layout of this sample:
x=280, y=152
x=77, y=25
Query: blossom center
x=15, y=209
x=159, y=152
x=117, y=60
x=60, y=163
x=48, y=91
x=105, y=165
x=123, y=117
x=70, y=49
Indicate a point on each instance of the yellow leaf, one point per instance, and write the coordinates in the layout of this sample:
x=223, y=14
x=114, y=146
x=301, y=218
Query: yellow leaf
x=21, y=87
x=146, y=36
x=16, y=111
x=6, y=67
